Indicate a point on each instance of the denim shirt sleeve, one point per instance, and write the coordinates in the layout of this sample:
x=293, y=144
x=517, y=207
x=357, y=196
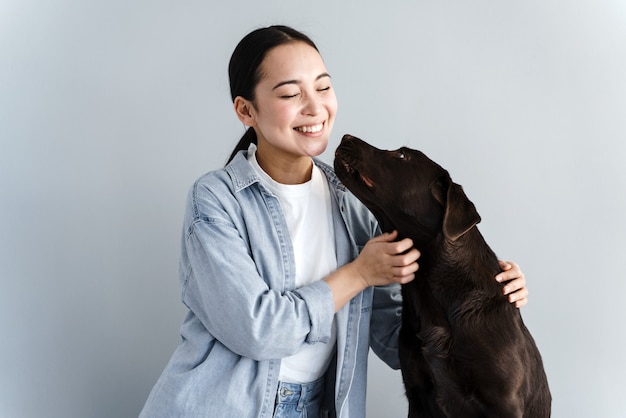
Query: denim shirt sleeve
x=238, y=295
x=385, y=324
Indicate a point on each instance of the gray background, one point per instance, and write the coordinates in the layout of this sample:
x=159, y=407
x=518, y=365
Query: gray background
x=110, y=109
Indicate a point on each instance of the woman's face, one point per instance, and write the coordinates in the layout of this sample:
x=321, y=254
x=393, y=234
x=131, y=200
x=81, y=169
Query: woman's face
x=295, y=105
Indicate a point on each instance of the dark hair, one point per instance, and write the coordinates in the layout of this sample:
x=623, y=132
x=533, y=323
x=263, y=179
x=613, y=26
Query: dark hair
x=244, y=67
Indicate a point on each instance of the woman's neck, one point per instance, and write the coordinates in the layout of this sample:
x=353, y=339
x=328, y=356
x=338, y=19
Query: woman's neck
x=285, y=168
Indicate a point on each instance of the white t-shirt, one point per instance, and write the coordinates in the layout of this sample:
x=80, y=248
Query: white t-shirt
x=308, y=212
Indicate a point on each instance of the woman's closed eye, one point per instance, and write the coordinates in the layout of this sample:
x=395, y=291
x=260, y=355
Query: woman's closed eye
x=289, y=96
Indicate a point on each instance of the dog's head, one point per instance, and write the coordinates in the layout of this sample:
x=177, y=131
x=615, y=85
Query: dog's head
x=405, y=190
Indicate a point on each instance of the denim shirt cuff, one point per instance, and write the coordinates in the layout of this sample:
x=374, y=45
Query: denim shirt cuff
x=319, y=296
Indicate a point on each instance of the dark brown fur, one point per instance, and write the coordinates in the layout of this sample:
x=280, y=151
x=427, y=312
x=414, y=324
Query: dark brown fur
x=464, y=349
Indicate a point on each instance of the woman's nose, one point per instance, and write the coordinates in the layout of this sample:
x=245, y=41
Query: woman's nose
x=313, y=105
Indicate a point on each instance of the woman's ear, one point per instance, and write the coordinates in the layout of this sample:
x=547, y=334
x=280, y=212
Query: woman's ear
x=244, y=110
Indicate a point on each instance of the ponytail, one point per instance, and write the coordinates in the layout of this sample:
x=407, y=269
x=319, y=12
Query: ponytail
x=244, y=143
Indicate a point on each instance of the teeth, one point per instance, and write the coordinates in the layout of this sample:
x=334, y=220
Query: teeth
x=310, y=129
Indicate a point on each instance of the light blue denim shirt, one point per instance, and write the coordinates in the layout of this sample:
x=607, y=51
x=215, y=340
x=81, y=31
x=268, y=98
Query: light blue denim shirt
x=237, y=279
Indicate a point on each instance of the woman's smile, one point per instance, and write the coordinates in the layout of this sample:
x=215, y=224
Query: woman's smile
x=310, y=129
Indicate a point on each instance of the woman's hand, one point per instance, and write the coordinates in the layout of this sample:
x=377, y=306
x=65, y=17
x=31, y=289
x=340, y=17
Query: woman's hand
x=385, y=261
x=515, y=286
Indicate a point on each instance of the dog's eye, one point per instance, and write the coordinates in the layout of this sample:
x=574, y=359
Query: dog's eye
x=400, y=154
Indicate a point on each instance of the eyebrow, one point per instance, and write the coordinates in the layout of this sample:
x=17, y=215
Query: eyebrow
x=282, y=83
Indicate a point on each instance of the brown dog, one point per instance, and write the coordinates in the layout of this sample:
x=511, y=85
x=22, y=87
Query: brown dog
x=464, y=349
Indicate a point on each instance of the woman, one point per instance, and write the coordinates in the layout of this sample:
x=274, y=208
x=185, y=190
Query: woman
x=287, y=280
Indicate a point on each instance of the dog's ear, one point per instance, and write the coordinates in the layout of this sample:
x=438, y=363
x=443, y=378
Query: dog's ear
x=460, y=214
x=439, y=189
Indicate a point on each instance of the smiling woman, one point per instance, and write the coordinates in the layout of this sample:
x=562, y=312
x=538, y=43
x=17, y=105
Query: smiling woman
x=270, y=266
x=280, y=266
x=292, y=112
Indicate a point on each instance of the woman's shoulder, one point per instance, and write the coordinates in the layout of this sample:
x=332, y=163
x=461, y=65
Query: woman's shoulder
x=236, y=175
x=217, y=189
x=215, y=182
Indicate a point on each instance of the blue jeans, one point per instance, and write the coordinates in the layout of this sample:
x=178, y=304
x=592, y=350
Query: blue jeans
x=295, y=400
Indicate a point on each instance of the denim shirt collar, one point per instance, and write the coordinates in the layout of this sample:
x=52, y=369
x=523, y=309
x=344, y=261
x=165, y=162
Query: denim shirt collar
x=243, y=175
